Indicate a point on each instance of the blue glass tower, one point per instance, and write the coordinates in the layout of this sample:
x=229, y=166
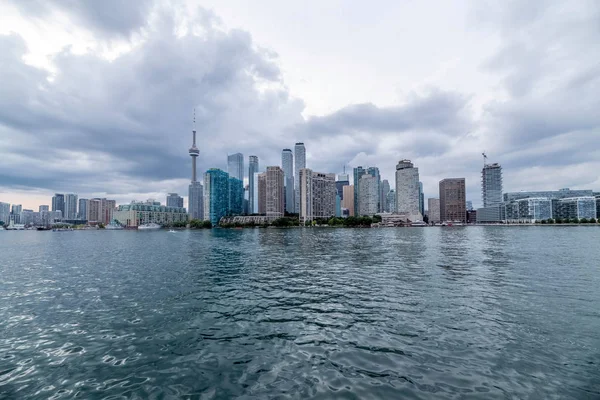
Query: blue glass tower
x=236, y=196
x=216, y=195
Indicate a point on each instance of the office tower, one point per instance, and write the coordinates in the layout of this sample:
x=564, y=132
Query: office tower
x=358, y=173
x=43, y=208
x=58, y=203
x=81, y=209
x=342, y=180
x=235, y=166
x=216, y=195
x=15, y=212
x=195, y=190
x=407, y=189
x=469, y=205
x=421, y=199
x=452, y=200
x=246, y=210
x=275, y=189
x=385, y=189
x=252, y=185
x=94, y=211
x=369, y=195
x=174, y=200
x=236, y=197
x=299, y=163
x=70, y=212
x=287, y=163
x=261, y=185
x=4, y=212
x=317, y=195
x=391, y=201
x=491, y=184
x=348, y=200
x=433, y=210
x=374, y=172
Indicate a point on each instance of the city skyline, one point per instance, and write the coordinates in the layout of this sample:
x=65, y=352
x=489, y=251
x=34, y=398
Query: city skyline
x=471, y=92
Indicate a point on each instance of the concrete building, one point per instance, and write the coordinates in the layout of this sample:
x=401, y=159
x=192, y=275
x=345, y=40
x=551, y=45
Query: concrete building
x=391, y=201
x=550, y=194
x=235, y=196
x=47, y=208
x=421, y=199
x=58, y=203
x=369, y=195
x=262, y=193
x=374, y=172
x=174, y=200
x=216, y=195
x=139, y=213
x=15, y=212
x=81, y=209
x=94, y=211
x=195, y=189
x=385, y=189
x=358, y=173
x=491, y=184
x=70, y=212
x=252, y=185
x=26, y=217
x=433, y=210
x=235, y=166
x=4, y=212
x=528, y=210
x=491, y=214
x=317, y=195
x=275, y=192
x=287, y=164
x=299, y=163
x=407, y=190
x=348, y=200
x=453, y=205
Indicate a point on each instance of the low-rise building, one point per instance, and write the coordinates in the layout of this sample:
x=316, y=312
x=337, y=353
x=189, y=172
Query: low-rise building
x=574, y=208
x=139, y=213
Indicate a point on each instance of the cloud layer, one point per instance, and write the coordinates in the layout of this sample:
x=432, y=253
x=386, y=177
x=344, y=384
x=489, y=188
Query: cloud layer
x=122, y=125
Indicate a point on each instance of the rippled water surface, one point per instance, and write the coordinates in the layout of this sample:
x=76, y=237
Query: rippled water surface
x=477, y=312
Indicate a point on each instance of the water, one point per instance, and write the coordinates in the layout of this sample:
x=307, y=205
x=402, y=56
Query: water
x=477, y=312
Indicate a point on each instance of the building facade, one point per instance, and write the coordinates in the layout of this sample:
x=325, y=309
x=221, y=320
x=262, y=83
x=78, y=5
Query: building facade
x=235, y=166
x=70, y=212
x=252, y=189
x=275, y=192
x=216, y=195
x=81, y=209
x=317, y=195
x=262, y=193
x=4, y=212
x=348, y=200
x=433, y=210
x=15, y=212
x=374, y=172
x=385, y=189
x=174, y=200
x=407, y=189
x=136, y=214
x=299, y=163
x=491, y=185
x=358, y=173
x=453, y=205
x=236, y=197
x=575, y=208
x=369, y=195
x=528, y=210
x=421, y=199
x=550, y=194
x=391, y=201
x=287, y=164
x=58, y=203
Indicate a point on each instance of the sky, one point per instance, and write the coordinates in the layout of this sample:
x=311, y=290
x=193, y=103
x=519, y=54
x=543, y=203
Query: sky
x=97, y=98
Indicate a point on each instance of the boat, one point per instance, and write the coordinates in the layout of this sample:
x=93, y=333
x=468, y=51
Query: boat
x=172, y=231
x=150, y=226
x=15, y=227
x=113, y=227
x=418, y=223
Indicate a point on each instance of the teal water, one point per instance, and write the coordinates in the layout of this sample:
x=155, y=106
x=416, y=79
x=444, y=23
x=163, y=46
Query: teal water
x=477, y=312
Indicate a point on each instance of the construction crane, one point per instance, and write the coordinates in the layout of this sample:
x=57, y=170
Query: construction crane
x=484, y=159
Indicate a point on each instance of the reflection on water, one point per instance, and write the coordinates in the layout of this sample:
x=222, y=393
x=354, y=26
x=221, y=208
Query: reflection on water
x=481, y=312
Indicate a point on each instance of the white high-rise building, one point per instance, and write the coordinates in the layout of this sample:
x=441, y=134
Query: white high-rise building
x=317, y=195
x=252, y=185
x=81, y=209
x=275, y=192
x=235, y=166
x=369, y=195
x=299, y=163
x=385, y=189
x=433, y=210
x=407, y=189
x=287, y=164
x=4, y=212
x=70, y=206
x=491, y=184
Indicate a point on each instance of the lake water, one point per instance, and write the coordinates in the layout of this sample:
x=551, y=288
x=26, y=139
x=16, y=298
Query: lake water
x=472, y=312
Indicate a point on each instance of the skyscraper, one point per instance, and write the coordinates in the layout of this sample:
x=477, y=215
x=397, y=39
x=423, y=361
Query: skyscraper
x=58, y=203
x=391, y=201
x=70, y=212
x=358, y=173
x=261, y=185
x=374, y=172
x=275, y=192
x=4, y=212
x=342, y=180
x=47, y=208
x=433, y=210
x=348, y=201
x=15, y=212
x=369, y=195
x=195, y=190
x=236, y=196
x=452, y=200
x=235, y=166
x=407, y=189
x=174, y=200
x=299, y=163
x=491, y=184
x=287, y=163
x=94, y=210
x=81, y=209
x=385, y=189
x=216, y=195
x=252, y=185
x=317, y=195
x=421, y=199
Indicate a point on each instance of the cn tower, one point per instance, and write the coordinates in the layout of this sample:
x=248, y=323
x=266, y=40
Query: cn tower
x=196, y=191
x=194, y=152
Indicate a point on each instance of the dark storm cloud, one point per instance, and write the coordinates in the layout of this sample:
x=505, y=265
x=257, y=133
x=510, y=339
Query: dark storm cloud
x=110, y=17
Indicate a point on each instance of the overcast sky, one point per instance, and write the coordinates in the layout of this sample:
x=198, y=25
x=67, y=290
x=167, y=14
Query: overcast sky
x=96, y=97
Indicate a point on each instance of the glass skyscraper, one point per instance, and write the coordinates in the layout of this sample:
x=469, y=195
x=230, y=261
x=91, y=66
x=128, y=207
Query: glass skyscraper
x=287, y=164
x=358, y=173
x=491, y=184
x=236, y=196
x=299, y=163
x=252, y=187
x=235, y=166
x=216, y=195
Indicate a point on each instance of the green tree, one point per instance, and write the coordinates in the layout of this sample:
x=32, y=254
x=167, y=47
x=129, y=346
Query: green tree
x=376, y=218
x=558, y=220
x=583, y=221
x=592, y=220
